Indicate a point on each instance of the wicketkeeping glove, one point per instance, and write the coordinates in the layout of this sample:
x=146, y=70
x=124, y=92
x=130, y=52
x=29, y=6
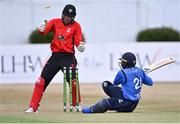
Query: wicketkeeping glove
x=81, y=47
x=42, y=27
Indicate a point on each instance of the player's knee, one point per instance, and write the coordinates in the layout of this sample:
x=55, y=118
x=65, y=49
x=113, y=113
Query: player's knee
x=106, y=84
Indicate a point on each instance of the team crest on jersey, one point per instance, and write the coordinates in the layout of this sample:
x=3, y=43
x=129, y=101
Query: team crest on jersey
x=68, y=30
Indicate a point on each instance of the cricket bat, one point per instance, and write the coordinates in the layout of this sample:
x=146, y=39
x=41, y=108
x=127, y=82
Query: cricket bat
x=159, y=64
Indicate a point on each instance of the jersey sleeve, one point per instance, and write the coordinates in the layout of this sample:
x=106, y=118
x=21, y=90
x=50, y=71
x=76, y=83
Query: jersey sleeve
x=119, y=78
x=78, y=35
x=147, y=80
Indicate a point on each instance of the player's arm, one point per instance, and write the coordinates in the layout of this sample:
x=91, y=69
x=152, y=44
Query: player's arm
x=147, y=80
x=119, y=78
x=46, y=27
x=78, y=39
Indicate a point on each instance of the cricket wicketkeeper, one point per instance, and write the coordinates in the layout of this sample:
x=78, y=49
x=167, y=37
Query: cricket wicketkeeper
x=67, y=34
x=126, y=97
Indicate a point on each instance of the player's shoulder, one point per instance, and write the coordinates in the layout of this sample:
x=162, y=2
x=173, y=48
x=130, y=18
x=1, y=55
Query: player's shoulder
x=138, y=69
x=134, y=69
x=76, y=23
x=56, y=20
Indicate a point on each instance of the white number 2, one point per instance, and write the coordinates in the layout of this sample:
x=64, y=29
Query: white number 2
x=138, y=83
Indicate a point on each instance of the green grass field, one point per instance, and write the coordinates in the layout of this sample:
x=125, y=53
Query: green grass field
x=160, y=103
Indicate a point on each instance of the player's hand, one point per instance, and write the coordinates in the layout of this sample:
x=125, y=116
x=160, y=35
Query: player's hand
x=81, y=47
x=146, y=69
x=42, y=26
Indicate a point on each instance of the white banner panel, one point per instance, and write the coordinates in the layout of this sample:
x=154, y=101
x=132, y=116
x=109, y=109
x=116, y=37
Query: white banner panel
x=96, y=64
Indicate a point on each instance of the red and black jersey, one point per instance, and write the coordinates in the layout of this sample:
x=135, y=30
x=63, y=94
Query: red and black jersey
x=65, y=36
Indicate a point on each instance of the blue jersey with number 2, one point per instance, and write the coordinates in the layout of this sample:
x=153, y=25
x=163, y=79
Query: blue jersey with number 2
x=131, y=82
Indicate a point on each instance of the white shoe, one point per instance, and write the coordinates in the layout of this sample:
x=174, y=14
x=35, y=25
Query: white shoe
x=30, y=110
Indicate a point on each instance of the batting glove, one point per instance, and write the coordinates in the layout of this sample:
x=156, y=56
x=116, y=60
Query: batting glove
x=42, y=27
x=146, y=69
x=81, y=47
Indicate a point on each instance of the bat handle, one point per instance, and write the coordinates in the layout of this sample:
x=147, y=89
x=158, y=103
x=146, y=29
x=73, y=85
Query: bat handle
x=146, y=69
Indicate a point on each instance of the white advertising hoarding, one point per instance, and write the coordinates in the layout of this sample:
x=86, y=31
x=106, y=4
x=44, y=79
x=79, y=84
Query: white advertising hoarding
x=96, y=64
